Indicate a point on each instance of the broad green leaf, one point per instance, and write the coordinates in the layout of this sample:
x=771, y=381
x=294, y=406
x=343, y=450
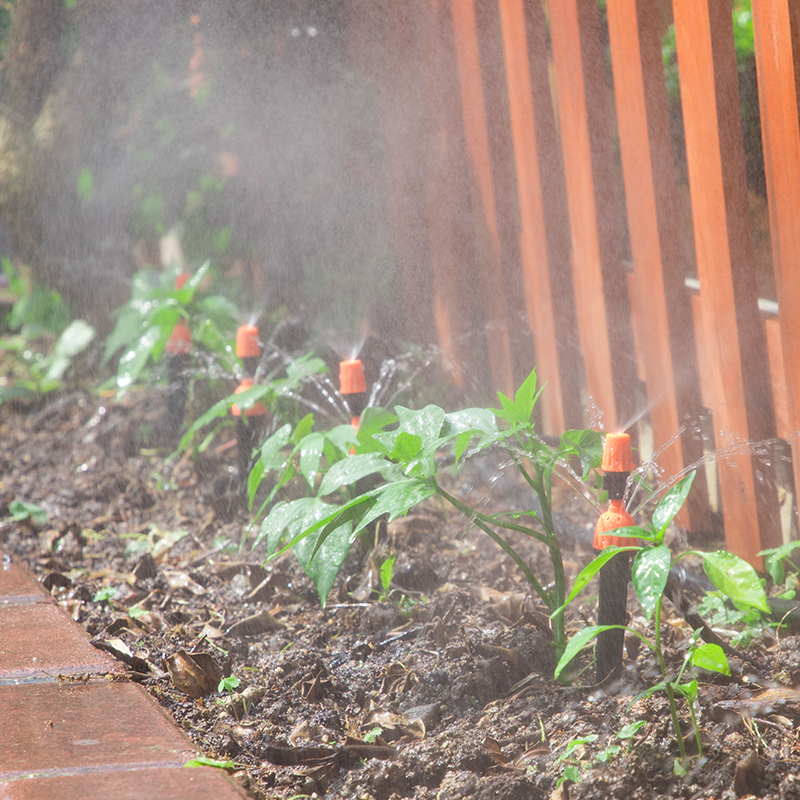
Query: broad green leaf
x=711, y=657
x=589, y=571
x=396, y=499
x=671, y=502
x=75, y=339
x=736, y=578
x=629, y=731
x=427, y=425
x=185, y=294
x=84, y=187
x=373, y=420
x=587, y=445
x=322, y=562
x=343, y=438
x=773, y=561
x=126, y=329
x=287, y=517
x=310, y=454
x=649, y=576
x=474, y=420
x=406, y=447
x=132, y=363
x=349, y=470
x=304, y=427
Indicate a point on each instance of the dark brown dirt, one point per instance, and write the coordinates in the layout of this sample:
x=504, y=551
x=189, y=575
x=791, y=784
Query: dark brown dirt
x=442, y=689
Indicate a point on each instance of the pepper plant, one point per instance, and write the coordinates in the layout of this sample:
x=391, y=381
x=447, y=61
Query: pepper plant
x=405, y=460
x=652, y=562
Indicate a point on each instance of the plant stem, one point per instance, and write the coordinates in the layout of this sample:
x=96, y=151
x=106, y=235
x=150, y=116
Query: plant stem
x=676, y=725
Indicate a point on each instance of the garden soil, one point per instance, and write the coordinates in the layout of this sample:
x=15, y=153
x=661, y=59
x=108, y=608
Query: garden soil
x=437, y=686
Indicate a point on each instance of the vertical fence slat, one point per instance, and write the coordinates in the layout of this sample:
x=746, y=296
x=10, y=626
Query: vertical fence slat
x=669, y=364
x=474, y=119
x=733, y=331
x=777, y=39
x=600, y=282
x=504, y=182
x=544, y=231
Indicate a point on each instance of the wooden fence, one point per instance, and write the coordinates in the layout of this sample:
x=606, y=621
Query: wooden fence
x=534, y=195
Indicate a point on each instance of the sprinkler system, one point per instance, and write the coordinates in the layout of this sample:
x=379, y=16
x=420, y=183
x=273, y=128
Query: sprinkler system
x=179, y=348
x=353, y=388
x=616, y=573
x=251, y=427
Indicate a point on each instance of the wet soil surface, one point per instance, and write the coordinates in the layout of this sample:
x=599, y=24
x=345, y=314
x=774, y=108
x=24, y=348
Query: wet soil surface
x=441, y=688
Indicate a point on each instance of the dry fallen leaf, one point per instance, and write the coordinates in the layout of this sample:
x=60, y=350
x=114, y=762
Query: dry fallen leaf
x=196, y=675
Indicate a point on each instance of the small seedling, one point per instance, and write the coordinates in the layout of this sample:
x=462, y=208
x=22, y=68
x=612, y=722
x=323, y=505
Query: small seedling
x=20, y=511
x=104, y=595
x=228, y=684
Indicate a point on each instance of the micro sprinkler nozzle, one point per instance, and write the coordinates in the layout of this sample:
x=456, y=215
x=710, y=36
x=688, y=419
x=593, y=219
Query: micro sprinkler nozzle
x=353, y=388
x=615, y=574
x=250, y=425
x=179, y=348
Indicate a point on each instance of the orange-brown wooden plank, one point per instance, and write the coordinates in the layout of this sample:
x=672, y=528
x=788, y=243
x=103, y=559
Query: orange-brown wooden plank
x=544, y=226
x=596, y=223
x=666, y=333
x=784, y=426
x=489, y=248
x=732, y=328
x=449, y=207
x=776, y=27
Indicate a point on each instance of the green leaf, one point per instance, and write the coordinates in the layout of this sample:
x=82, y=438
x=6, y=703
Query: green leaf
x=649, y=576
x=711, y=657
x=19, y=511
x=395, y=500
x=310, y=454
x=631, y=729
x=386, y=571
x=304, y=427
x=84, y=187
x=671, y=503
x=736, y=578
x=520, y=410
x=288, y=517
x=589, y=571
x=578, y=642
x=320, y=555
x=773, y=560
x=72, y=341
x=349, y=470
x=203, y=761
x=586, y=444
x=185, y=294
x=406, y=447
x=132, y=362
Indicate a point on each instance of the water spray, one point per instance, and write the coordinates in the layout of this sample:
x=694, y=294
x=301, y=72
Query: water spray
x=179, y=349
x=615, y=574
x=251, y=427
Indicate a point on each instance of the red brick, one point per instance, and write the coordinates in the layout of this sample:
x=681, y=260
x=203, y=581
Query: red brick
x=17, y=586
x=59, y=726
x=41, y=640
x=178, y=783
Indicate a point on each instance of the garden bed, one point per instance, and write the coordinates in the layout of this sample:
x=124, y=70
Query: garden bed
x=437, y=686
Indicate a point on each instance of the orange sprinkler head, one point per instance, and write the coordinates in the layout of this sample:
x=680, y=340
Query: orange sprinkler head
x=180, y=340
x=617, y=453
x=615, y=517
x=247, y=345
x=256, y=410
x=351, y=377
x=181, y=278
